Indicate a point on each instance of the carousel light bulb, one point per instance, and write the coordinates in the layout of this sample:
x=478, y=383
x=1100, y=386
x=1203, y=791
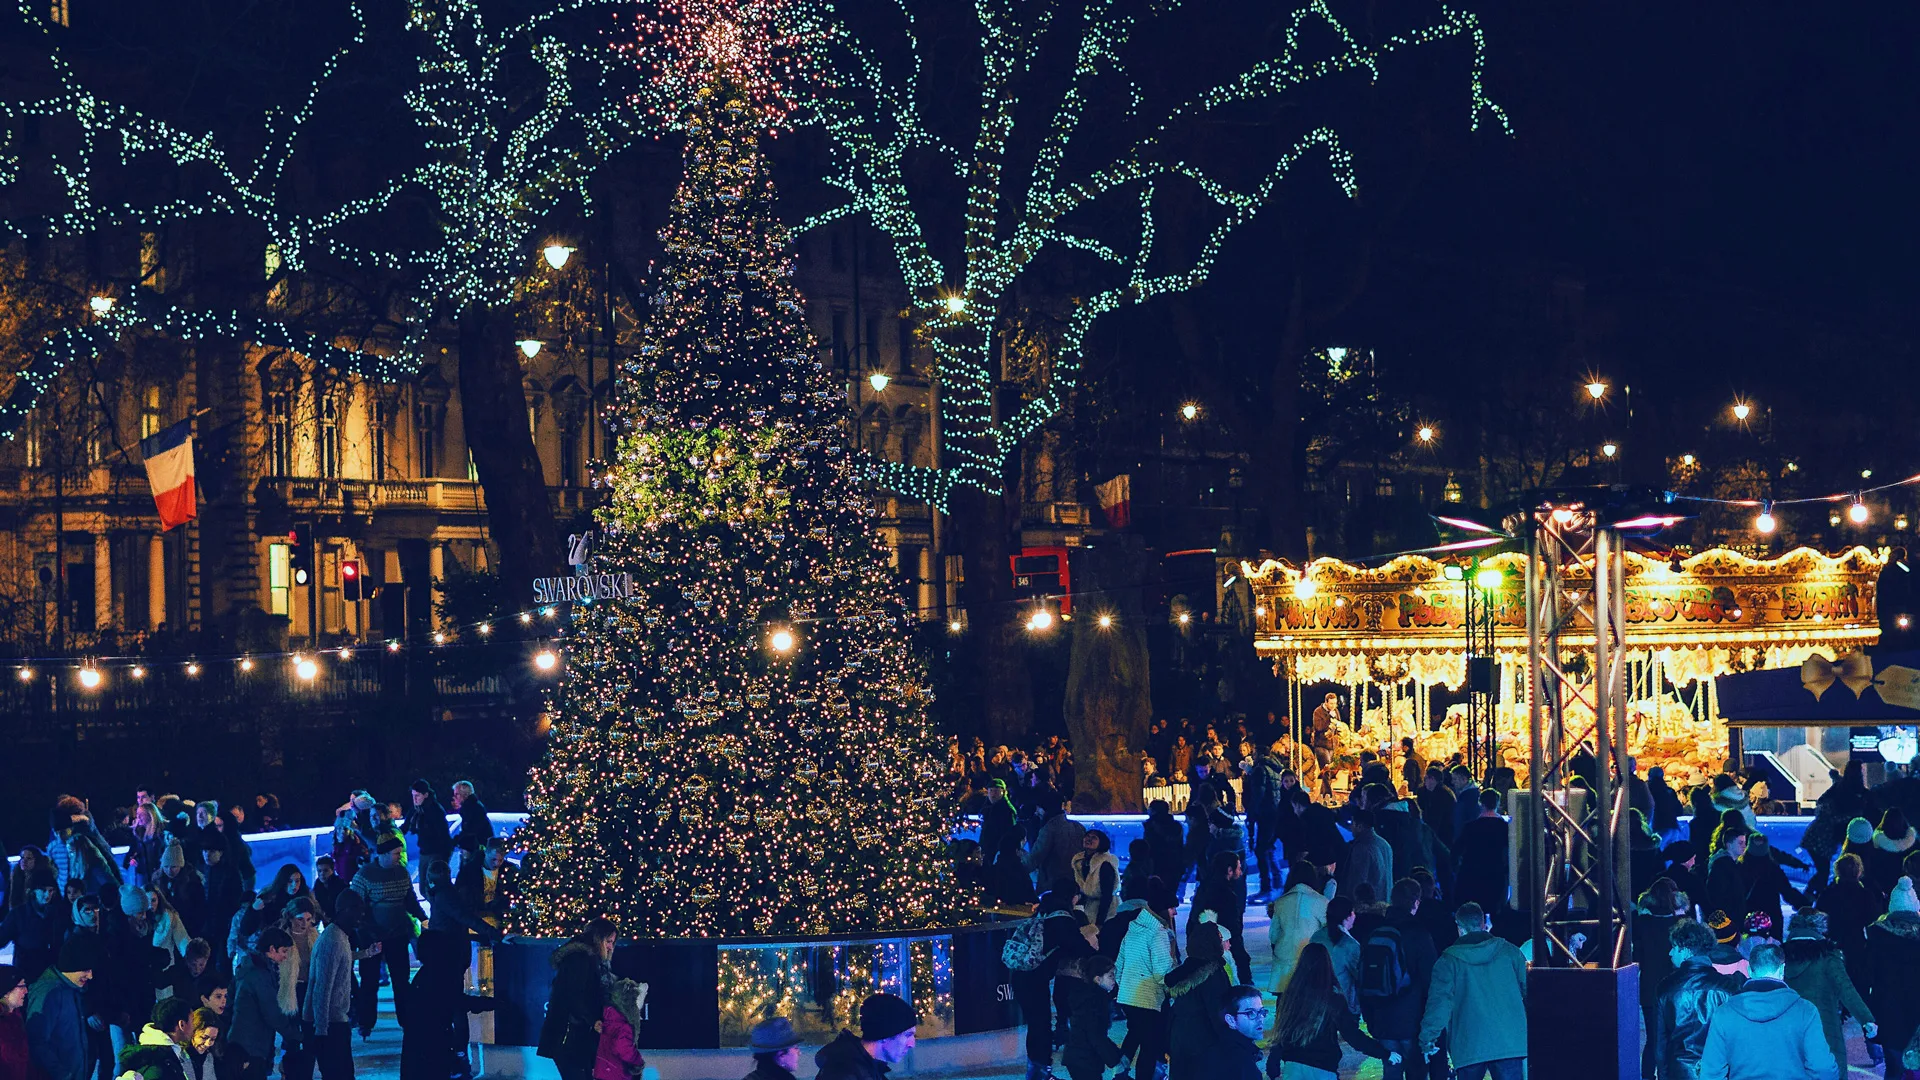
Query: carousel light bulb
x=557, y=255
x=1260, y=611
x=1563, y=515
x=1305, y=588
x=1488, y=578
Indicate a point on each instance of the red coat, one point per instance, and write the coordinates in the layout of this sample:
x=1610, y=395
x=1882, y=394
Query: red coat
x=13, y=1047
x=617, y=1058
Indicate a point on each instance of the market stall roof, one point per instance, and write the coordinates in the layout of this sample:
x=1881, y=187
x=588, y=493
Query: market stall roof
x=1850, y=693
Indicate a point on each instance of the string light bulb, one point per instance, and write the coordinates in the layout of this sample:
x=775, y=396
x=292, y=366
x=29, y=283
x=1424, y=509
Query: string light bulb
x=781, y=641
x=393, y=646
x=139, y=672
x=1742, y=410
x=1763, y=523
x=89, y=676
x=1105, y=621
x=26, y=674
x=246, y=663
x=305, y=668
x=953, y=626
x=545, y=659
x=1305, y=588
x=1425, y=434
x=1610, y=449
x=1857, y=513
x=193, y=669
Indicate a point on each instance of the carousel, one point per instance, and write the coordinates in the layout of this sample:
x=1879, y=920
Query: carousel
x=1394, y=642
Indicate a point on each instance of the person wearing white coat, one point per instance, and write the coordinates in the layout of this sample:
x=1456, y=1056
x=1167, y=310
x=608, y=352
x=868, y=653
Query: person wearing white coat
x=1147, y=953
x=1096, y=877
x=1294, y=918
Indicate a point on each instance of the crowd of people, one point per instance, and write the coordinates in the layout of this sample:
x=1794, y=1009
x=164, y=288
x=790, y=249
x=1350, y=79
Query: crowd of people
x=168, y=962
x=1392, y=926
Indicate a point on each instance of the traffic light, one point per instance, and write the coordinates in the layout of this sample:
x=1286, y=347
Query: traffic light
x=350, y=580
x=300, y=553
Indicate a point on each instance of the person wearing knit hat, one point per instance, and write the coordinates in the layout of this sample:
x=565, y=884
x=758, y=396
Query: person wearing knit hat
x=1888, y=851
x=776, y=1049
x=886, y=1038
x=1892, y=961
x=1817, y=971
x=134, y=899
x=1726, y=956
x=57, y=1012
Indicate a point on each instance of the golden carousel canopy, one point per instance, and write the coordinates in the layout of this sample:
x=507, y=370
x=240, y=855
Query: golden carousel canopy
x=1713, y=613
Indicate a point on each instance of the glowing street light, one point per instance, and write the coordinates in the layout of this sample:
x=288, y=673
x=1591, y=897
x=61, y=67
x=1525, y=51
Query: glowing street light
x=878, y=380
x=1189, y=411
x=1040, y=620
x=1610, y=449
x=953, y=626
x=1596, y=389
x=1742, y=410
x=1105, y=621
x=545, y=660
x=26, y=674
x=100, y=305
x=90, y=676
x=1425, y=434
x=529, y=347
x=557, y=255
x=305, y=668
x=1687, y=460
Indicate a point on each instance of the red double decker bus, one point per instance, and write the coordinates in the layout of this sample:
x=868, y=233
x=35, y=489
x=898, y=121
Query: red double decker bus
x=1044, y=572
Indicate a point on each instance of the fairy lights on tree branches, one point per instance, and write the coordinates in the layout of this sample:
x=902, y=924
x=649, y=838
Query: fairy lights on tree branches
x=870, y=110
x=494, y=166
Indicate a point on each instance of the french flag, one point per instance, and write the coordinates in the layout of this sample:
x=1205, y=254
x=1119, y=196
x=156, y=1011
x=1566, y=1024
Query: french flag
x=169, y=457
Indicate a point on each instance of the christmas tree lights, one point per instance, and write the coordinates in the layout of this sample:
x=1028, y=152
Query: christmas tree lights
x=742, y=748
x=870, y=112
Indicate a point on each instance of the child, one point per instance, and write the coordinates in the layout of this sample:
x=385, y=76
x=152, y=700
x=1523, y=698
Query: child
x=1087, y=985
x=619, y=1055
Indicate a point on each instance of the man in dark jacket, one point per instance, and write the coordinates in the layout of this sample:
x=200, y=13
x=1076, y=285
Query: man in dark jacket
x=1688, y=999
x=569, y=1037
x=56, y=1018
x=1059, y=840
x=1167, y=839
x=1413, y=841
x=1233, y=1054
x=1394, y=1017
x=36, y=928
x=1480, y=851
x=886, y=1038
x=1060, y=941
x=428, y=824
x=476, y=828
x=1436, y=804
x=1320, y=841
x=1264, y=791
x=1726, y=883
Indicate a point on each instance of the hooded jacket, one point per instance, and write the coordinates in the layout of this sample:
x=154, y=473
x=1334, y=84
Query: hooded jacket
x=1413, y=841
x=256, y=1015
x=1479, y=997
x=846, y=1058
x=1893, y=977
x=329, y=980
x=154, y=1057
x=1197, y=991
x=1261, y=786
x=1146, y=956
x=574, y=1005
x=1884, y=859
x=1765, y=1032
x=1726, y=887
x=1089, y=1012
x=1688, y=999
x=1817, y=972
x=57, y=1027
x=1300, y=913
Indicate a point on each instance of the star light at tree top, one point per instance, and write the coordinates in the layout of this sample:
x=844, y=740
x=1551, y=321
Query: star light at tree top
x=1021, y=198
x=690, y=44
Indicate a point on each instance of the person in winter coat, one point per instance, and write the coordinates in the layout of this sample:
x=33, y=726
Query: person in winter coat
x=1147, y=954
x=1089, y=984
x=1891, y=842
x=1263, y=786
x=37, y=926
x=1893, y=970
x=396, y=916
x=1168, y=839
x=1688, y=998
x=1478, y=996
x=1140, y=868
x=427, y=823
x=1644, y=860
x=15, y=1059
x=1311, y=1020
x=1846, y=799
x=1235, y=1055
x=1817, y=972
x=161, y=1051
x=1654, y=915
x=619, y=1057
x=257, y=1012
x=1394, y=1014
x=1667, y=807
x=775, y=1048
x=1850, y=907
x=1343, y=948
x=476, y=828
x=1767, y=883
x=569, y=1037
x=1223, y=892
x=1293, y=919
x=1060, y=941
x=886, y=1038
x=1368, y=859
x=1320, y=841
x=1480, y=855
x=1059, y=840
x=77, y=850
x=1726, y=881
x=142, y=860
x=1096, y=877
x=56, y=1013
x=434, y=1038
x=1436, y=804
x=1197, y=991
x=327, y=1012
x=1765, y=1031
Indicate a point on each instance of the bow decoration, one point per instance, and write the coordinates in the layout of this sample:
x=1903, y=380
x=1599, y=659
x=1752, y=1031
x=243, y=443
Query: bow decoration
x=1853, y=671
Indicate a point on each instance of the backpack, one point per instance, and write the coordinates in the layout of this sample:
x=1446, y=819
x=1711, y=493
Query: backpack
x=1024, y=950
x=1383, y=965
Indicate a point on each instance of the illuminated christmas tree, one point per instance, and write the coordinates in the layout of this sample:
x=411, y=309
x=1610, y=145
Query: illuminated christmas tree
x=741, y=748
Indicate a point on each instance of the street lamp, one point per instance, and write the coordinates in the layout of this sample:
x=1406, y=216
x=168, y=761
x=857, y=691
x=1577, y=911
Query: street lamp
x=557, y=255
x=100, y=305
x=1610, y=449
x=1742, y=410
x=955, y=304
x=1189, y=411
x=1596, y=389
x=529, y=347
x=1041, y=619
x=1426, y=433
x=878, y=380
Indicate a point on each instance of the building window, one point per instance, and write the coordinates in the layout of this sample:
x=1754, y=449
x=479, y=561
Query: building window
x=152, y=274
x=279, y=579
x=425, y=440
x=276, y=290
x=379, y=416
x=329, y=407
x=61, y=14
x=150, y=412
x=279, y=425
x=473, y=471
x=35, y=449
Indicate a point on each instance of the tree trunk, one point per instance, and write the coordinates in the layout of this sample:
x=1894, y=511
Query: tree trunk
x=494, y=412
x=987, y=538
x=1279, y=458
x=1109, y=695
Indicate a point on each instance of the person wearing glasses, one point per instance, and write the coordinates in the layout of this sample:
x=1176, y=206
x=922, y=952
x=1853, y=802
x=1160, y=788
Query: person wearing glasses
x=1313, y=1019
x=1234, y=1055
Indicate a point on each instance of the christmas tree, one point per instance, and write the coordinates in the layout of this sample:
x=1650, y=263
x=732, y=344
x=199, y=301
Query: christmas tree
x=741, y=747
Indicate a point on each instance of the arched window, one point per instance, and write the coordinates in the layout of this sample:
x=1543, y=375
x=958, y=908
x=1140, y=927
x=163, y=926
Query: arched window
x=278, y=389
